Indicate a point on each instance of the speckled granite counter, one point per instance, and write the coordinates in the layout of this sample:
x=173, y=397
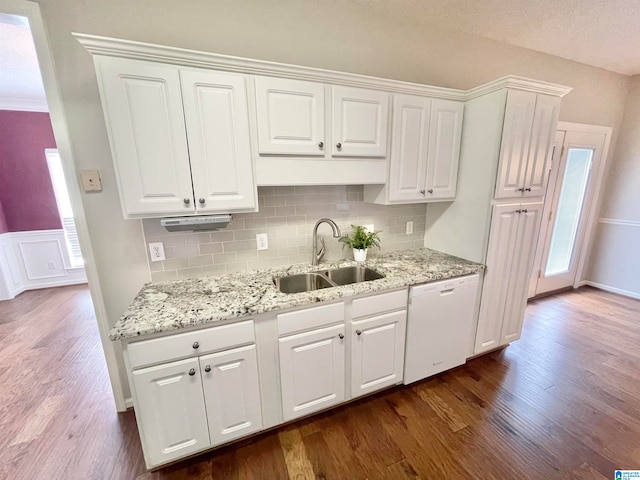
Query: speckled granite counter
x=167, y=306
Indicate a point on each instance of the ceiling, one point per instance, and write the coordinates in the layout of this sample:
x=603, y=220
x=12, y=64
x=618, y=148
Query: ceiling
x=601, y=33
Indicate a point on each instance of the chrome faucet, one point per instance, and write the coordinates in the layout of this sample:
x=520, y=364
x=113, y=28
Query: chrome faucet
x=317, y=255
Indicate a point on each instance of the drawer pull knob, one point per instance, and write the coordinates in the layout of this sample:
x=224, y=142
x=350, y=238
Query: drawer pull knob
x=196, y=345
x=207, y=368
x=340, y=336
x=192, y=372
x=338, y=145
x=358, y=332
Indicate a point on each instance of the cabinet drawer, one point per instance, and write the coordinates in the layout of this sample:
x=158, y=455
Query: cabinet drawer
x=364, y=307
x=182, y=345
x=310, y=318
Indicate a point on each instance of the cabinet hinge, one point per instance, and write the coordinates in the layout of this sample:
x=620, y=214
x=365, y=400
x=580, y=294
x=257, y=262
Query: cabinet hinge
x=562, y=151
x=539, y=273
x=550, y=215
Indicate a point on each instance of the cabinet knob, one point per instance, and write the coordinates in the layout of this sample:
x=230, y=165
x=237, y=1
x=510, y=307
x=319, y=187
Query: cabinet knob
x=192, y=372
x=422, y=192
x=201, y=201
x=340, y=336
x=430, y=190
x=187, y=201
x=525, y=210
x=358, y=332
x=321, y=145
x=518, y=211
x=207, y=368
x=196, y=345
x=528, y=189
x=521, y=189
x=338, y=145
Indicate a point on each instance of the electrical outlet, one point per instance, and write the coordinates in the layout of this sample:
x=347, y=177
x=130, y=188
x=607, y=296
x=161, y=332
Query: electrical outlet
x=409, y=228
x=262, y=241
x=91, y=180
x=156, y=250
x=369, y=228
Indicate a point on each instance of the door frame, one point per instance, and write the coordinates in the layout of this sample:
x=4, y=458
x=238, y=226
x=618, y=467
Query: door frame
x=592, y=204
x=31, y=10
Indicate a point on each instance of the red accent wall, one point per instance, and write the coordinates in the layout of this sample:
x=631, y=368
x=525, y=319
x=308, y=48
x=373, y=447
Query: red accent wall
x=26, y=193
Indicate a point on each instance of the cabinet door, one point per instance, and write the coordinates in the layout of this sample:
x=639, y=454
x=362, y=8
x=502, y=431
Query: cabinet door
x=410, y=140
x=312, y=372
x=215, y=111
x=502, y=243
x=290, y=116
x=545, y=121
x=170, y=411
x=143, y=111
x=377, y=352
x=521, y=265
x=444, y=149
x=514, y=149
x=359, y=119
x=232, y=393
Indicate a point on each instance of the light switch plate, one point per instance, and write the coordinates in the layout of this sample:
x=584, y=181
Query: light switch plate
x=91, y=180
x=409, y=228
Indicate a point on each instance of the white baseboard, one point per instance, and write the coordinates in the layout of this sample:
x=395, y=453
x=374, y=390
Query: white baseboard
x=33, y=260
x=611, y=289
x=128, y=403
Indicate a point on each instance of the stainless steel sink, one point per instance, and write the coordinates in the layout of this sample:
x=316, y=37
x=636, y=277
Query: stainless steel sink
x=356, y=274
x=306, y=282
x=303, y=282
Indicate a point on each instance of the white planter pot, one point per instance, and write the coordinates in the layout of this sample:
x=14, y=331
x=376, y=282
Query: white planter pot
x=359, y=255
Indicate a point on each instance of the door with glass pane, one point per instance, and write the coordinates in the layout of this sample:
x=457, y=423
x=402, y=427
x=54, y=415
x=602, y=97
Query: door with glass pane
x=575, y=161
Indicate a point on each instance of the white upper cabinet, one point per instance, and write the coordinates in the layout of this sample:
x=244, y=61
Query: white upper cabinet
x=410, y=141
x=290, y=116
x=151, y=110
x=425, y=146
x=215, y=112
x=529, y=124
x=142, y=102
x=445, y=132
x=359, y=122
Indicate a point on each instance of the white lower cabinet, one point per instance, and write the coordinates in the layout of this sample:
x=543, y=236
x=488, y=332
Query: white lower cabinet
x=377, y=352
x=312, y=371
x=231, y=393
x=170, y=410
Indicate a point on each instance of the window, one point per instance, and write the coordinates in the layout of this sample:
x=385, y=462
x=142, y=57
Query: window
x=64, y=207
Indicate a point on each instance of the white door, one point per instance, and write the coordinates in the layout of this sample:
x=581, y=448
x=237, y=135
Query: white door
x=170, y=410
x=359, y=119
x=410, y=142
x=502, y=244
x=232, y=393
x=377, y=352
x=444, y=149
x=521, y=266
x=312, y=371
x=290, y=116
x=571, y=197
x=142, y=103
x=514, y=148
x=215, y=111
x=545, y=121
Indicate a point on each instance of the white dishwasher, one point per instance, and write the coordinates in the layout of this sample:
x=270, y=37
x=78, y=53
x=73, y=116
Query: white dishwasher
x=439, y=328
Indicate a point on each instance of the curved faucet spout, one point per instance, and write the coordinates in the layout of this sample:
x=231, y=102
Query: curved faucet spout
x=318, y=254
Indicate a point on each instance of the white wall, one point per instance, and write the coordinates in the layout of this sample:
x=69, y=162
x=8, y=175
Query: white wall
x=331, y=34
x=616, y=258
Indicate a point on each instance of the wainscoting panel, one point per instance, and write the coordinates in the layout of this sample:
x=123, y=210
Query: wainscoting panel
x=36, y=259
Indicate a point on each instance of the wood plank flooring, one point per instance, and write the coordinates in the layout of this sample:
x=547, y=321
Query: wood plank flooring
x=562, y=402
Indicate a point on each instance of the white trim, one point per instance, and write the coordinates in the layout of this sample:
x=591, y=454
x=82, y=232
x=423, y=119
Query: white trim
x=608, y=288
x=23, y=104
x=128, y=402
x=583, y=127
x=31, y=10
x=113, y=47
x=614, y=221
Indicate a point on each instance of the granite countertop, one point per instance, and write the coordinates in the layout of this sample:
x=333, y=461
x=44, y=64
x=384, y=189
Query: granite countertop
x=167, y=306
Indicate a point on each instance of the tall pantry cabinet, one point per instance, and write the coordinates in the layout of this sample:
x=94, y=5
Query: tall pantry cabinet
x=503, y=172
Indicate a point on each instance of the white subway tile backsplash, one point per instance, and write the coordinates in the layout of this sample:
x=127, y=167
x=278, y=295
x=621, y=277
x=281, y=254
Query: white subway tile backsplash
x=287, y=215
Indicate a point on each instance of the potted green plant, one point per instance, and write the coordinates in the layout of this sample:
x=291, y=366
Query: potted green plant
x=360, y=240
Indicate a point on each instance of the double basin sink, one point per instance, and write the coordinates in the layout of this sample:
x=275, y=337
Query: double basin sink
x=305, y=282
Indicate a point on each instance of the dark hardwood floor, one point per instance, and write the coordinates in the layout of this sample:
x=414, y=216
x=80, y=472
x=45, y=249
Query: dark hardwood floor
x=562, y=402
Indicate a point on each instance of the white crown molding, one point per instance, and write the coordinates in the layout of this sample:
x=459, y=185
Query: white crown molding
x=23, y=104
x=519, y=83
x=615, y=221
